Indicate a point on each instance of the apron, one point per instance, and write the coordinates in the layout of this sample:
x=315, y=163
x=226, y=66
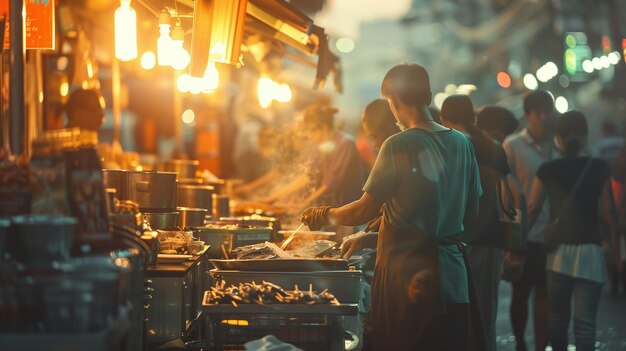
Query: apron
x=402, y=308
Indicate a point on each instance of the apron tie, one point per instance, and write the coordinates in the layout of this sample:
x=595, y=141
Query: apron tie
x=476, y=316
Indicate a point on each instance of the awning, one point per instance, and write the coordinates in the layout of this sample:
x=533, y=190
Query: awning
x=281, y=21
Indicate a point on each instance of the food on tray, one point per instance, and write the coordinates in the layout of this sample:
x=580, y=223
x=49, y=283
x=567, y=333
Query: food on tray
x=178, y=242
x=314, y=249
x=270, y=251
x=255, y=252
x=223, y=226
x=266, y=293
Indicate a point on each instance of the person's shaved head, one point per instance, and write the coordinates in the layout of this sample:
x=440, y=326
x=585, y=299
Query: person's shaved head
x=407, y=83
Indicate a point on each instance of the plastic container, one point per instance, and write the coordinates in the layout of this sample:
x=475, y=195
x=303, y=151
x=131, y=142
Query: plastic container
x=43, y=238
x=68, y=306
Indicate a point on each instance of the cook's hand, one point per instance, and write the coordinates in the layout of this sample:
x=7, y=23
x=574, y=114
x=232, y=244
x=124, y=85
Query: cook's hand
x=315, y=217
x=358, y=243
x=374, y=224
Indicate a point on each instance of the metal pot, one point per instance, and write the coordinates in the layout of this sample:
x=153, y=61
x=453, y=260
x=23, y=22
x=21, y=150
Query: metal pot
x=118, y=180
x=195, y=196
x=154, y=191
x=162, y=220
x=191, y=217
x=184, y=168
x=110, y=199
x=219, y=185
x=43, y=238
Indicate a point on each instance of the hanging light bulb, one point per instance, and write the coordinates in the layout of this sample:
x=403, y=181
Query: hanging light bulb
x=125, y=32
x=211, y=78
x=180, y=56
x=164, y=42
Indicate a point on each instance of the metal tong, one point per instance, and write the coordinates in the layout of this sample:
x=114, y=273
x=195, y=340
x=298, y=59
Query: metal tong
x=290, y=238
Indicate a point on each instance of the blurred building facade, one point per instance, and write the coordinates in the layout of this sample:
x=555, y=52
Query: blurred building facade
x=471, y=42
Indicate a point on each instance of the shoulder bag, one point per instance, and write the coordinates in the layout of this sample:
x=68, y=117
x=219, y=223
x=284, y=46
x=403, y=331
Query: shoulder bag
x=514, y=236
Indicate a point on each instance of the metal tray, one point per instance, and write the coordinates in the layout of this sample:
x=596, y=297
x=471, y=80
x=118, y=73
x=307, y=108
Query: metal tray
x=342, y=309
x=283, y=265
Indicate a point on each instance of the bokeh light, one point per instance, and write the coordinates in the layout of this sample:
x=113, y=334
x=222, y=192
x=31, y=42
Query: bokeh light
x=345, y=45
x=530, y=82
x=504, y=80
x=64, y=89
x=605, y=62
x=588, y=66
x=148, y=60
x=597, y=63
x=189, y=116
x=570, y=61
x=561, y=104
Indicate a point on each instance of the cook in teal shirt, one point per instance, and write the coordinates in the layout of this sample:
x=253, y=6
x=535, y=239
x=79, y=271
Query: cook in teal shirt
x=426, y=180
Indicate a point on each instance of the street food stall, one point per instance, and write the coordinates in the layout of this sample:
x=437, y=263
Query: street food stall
x=106, y=249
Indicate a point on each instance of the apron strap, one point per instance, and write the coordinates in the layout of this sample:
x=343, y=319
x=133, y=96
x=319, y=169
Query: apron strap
x=476, y=316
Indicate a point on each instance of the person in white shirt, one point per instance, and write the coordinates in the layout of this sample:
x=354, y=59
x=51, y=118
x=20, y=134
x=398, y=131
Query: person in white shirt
x=526, y=151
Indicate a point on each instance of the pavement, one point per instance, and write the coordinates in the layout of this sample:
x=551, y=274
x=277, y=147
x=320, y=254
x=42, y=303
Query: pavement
x=611, y=332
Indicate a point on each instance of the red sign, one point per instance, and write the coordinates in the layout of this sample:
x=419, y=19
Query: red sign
x=39, y=23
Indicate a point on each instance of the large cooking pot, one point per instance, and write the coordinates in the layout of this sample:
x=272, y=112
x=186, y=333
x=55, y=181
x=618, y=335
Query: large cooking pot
x=191, y=217
x=153, y=191
x=184, y=168
x=196, y=196
x=162, y=220
x=118, y=180
x=190, y=181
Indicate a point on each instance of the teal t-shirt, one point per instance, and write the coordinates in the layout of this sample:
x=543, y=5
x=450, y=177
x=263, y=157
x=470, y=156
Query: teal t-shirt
x=426, y=180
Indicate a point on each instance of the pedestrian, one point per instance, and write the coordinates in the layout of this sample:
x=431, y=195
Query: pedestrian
x=497, y=121
x=85, y=110
x=525, y=152
x=377, y=124
x=609, y=147
x=427, y=178
x=574, y=186
x=337, y=172
x=483, y=235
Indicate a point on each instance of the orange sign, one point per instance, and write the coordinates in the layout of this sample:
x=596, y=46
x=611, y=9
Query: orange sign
x=39, y=23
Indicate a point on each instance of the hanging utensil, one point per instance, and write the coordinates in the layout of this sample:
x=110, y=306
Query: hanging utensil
x=290, y=238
